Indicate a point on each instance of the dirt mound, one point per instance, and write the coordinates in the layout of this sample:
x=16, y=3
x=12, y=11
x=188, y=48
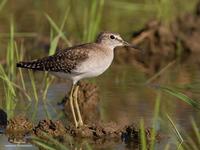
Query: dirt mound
x=88, y=99
x=162, y=43
x=100, y=134
x=18, y=128
x=111, y=130
x=55, y=129
x=95, y=131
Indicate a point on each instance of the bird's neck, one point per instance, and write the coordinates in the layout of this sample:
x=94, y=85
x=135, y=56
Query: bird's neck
x=106, y=45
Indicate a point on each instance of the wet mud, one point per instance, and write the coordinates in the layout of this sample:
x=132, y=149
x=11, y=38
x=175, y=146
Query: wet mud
x=55, y=129
x=104, y=135
x=161, y=43
x=110, y=130
x=18, y=129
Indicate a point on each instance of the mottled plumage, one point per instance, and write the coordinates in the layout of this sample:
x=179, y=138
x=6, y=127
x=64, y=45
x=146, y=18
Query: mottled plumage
x=62, y=61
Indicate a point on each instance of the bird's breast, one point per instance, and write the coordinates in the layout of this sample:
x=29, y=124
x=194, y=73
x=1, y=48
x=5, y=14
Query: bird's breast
x=96, y=64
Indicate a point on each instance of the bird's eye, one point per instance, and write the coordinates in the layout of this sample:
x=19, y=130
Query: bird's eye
x=112, y=37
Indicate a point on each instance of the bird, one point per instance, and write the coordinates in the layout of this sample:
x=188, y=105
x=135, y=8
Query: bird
x=79, y=62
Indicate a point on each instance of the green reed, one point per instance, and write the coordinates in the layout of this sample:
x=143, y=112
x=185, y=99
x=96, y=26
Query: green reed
x=192, y=142
x=92, y=17
x=8, y=75
x=2, y=4
x=39, y=142
x=54, y=26
x=196, y=130
x=49, y=142
x=143, y=135
x=155, y=120
x=180, y=96
x=176, y=131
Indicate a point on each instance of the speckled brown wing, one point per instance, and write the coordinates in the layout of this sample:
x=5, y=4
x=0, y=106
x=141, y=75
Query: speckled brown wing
x=63, y=61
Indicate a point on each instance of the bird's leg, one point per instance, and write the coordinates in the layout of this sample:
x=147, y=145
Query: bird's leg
x=80, y=121
x=72, y=106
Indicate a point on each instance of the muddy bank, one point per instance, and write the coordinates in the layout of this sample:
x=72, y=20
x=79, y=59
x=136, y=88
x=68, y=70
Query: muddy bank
x=104, y=135
x=46, y=127
x=111, y=130
x=21, y=130
x=162, y=43
x=18, y=129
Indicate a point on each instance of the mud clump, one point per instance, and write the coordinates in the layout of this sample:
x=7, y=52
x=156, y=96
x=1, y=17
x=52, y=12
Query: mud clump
x=162, y=43
x=49, y=132
x=131, y=133
x=131, y=136
x=46, y=128
x=102, y=132
x=95, y=131
x=88, y=99
x=18, y=128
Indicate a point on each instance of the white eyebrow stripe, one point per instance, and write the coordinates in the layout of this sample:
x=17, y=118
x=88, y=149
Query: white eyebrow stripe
x=119, y=40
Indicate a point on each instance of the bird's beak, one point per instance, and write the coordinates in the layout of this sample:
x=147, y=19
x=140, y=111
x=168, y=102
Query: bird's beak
x=126, y=44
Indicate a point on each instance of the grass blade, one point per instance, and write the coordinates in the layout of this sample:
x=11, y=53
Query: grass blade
x=192, y=144
x=142, y=135
x=167, y=146
x=53, y=24
x=180, y=96
x=196, y=130
x=20, y=70
x=155, y=119
x=52, y=143
x=180, y=138
x=33, y=85
x=160, y=72
x=42, y=144
x=2, y=4
x=92, y=20
x=54, y=44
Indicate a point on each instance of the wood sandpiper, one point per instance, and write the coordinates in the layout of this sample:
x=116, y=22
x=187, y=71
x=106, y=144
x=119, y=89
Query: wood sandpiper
x=78, y=62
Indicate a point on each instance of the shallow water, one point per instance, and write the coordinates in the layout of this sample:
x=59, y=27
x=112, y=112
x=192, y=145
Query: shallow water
x=125, y=98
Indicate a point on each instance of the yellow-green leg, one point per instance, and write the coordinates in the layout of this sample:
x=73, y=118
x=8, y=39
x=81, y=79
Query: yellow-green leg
x=72, y=106
x=80, y=121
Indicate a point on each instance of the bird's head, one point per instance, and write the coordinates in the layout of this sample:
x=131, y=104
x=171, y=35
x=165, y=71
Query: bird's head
x=112, y=40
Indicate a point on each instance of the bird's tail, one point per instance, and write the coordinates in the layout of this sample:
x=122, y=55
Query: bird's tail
x=36, y=65
x=42, y=64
